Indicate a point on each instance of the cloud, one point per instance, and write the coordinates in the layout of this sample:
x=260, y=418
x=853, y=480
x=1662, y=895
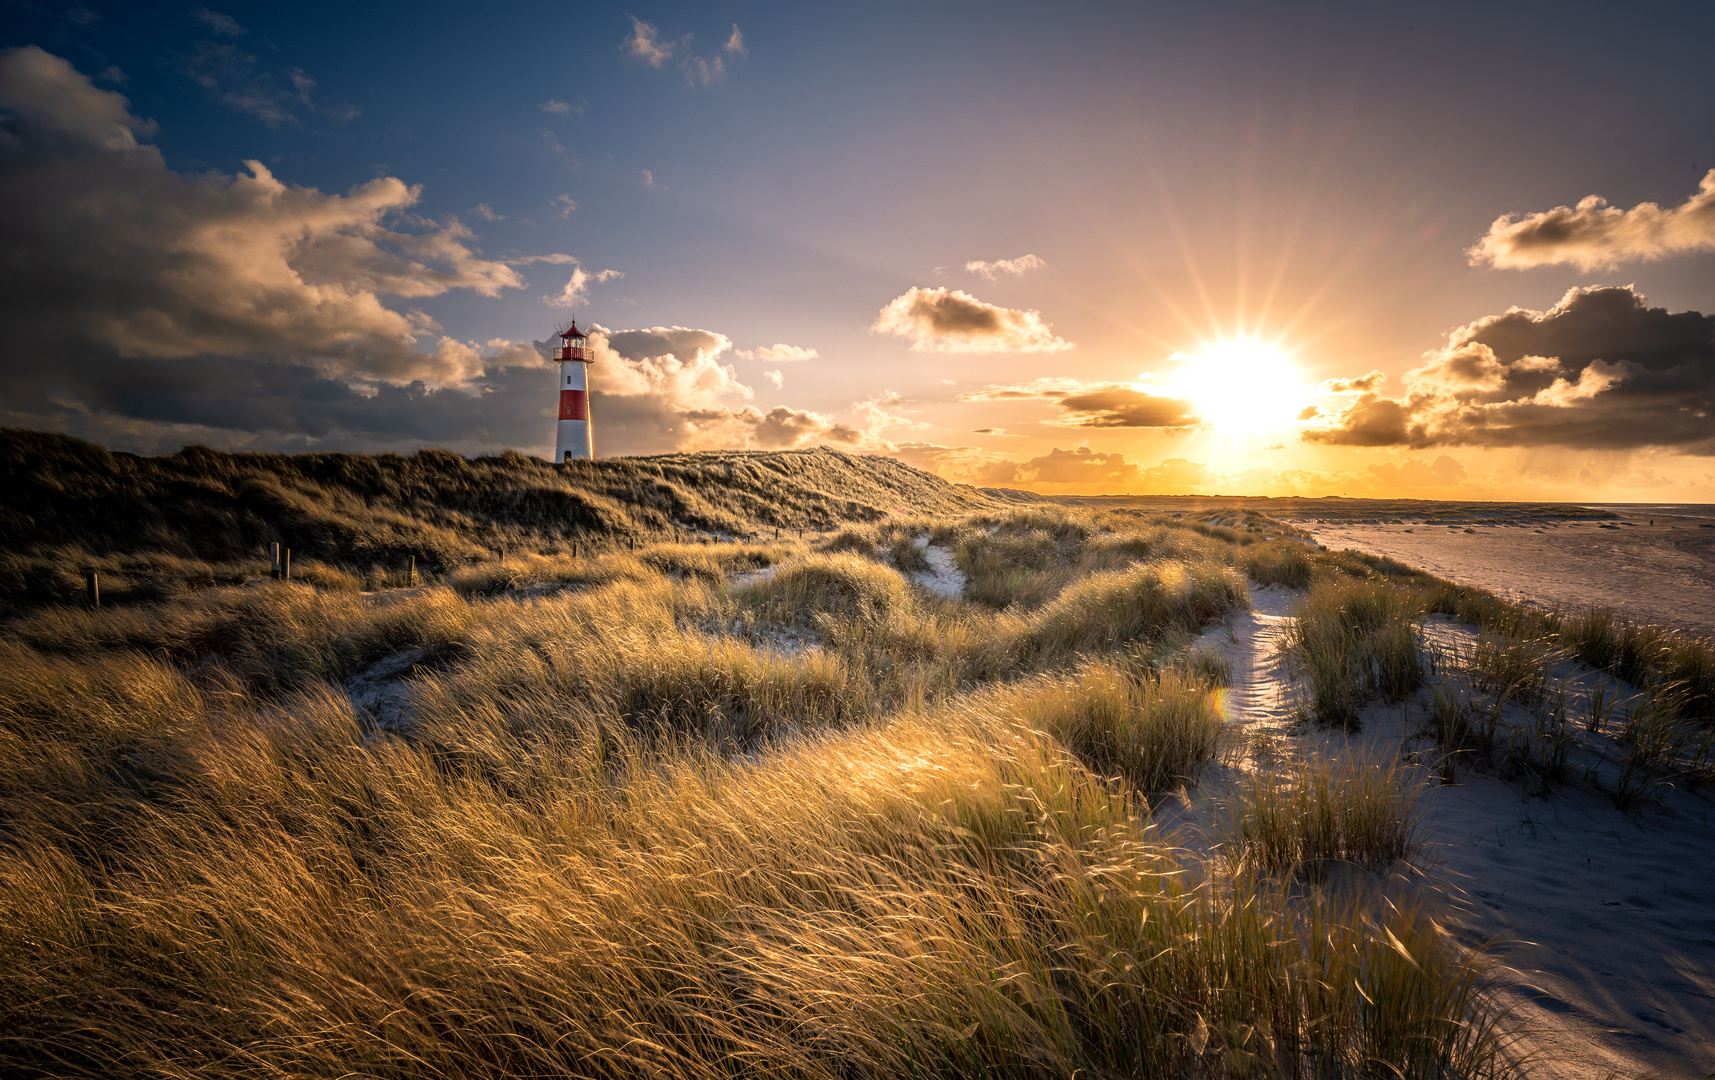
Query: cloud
x=147, y=309
x=1095, y=405
x=562, y=108
x=57, y=103
x=665, y=388
x=1594, y=234
x=1082, y=467
x=238, y=80
x=224, y=25
x=1077, y=471
x=1361, y=384
x=1412, y=473
x=577, y=290
x=960, y=464
x=992, y=270
x=1093, y=470
x=949, y=320
x=1049, y=386
x=645, y=43
x=703, y=71
x=561, y=206
x=775, y=377
x=1125, y=406
x=779, y=353
x=136, y=293
x=1599, y=370
x=486, y=212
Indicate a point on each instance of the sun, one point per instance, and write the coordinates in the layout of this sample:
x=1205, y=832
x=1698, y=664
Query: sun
x=1239, y=385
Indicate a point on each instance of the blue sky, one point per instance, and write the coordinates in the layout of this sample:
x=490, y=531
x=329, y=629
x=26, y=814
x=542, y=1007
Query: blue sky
x=1175, y=204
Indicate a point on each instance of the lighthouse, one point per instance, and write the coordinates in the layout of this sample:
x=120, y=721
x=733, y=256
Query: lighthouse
x=572, y=437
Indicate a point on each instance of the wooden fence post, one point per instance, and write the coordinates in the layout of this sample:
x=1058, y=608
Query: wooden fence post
x=274, y=560
x=412, y=579
x=286, y=564
x=92, y=589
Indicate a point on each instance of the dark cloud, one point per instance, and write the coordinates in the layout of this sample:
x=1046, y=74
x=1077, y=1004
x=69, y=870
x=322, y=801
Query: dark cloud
x=950, y=320
x=1095, y=405
x=1594, y=234
x=1122, y=406
x=148, y=309
x=1599, y=370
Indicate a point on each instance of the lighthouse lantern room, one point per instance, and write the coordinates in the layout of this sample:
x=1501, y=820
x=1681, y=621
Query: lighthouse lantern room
x=572, y=437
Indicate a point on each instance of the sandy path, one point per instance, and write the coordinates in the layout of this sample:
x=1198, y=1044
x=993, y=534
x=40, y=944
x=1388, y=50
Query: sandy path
x=1610, y=970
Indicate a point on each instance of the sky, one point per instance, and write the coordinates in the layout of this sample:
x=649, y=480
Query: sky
x=1453, y=251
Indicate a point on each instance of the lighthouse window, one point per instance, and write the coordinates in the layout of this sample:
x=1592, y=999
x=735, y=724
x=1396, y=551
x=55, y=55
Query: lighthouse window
x=568, y=380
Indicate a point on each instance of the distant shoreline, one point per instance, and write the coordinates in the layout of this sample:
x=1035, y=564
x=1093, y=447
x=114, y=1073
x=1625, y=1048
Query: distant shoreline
x=1651, y=562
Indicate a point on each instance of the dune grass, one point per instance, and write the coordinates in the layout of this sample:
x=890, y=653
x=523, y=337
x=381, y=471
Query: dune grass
x=652, y=817
x=1353, y=642
x=1314, y=813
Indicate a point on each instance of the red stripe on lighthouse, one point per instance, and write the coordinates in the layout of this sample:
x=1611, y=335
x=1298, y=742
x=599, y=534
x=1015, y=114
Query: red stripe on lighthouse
x=574, y=405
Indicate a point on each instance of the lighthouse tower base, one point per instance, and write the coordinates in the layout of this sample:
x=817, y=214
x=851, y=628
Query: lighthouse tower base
x=572, y=441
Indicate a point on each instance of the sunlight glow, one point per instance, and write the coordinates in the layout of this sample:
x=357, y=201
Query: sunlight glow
x=1240, y=385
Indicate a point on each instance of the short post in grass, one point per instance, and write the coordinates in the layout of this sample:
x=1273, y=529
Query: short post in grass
x=411, y=574
x=92, y=590
x=285, y=564
x=274, y=561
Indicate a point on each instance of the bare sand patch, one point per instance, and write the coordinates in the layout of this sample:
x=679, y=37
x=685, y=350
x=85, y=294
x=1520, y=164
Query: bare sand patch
x=943, y=578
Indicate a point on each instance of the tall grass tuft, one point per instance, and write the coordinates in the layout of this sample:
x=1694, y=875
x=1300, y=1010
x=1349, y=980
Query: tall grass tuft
x=1155, y=731
x=1281, y=562
x=1316, y=813
x=1355, y=641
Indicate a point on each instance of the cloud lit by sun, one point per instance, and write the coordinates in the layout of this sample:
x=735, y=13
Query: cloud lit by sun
x=1239, y=385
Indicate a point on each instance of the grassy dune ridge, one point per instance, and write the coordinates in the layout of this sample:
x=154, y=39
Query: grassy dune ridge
x=653, y=817
x=154, y=526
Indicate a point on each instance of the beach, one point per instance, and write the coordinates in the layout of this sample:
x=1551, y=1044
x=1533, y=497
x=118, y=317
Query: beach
x=1652, y=565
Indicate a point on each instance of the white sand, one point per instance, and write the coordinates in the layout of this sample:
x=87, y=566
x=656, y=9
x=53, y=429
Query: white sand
x=943, y=578
x=1611, y=916
x=381, y=691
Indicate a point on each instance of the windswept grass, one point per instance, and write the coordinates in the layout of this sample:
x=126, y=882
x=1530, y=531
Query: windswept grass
x=273, y=638
x=1323, y=811
x=1155, y=731
x=1280, y=563
x=1355, y=641
x=936, y=897
x=646, y=817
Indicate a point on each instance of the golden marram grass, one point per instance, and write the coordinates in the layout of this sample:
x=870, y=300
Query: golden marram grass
x=659, y=808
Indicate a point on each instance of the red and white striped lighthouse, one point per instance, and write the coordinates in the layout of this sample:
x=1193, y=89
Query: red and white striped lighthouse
x=572, y=438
